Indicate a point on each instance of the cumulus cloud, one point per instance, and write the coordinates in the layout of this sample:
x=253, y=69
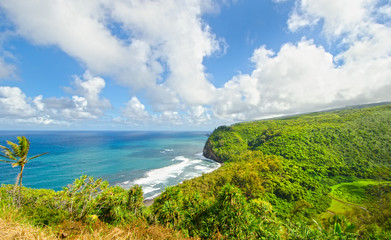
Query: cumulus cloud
x=136, y=114
x=135, y=111
x=198, y=115
x=86, y=103
x=13, y=102
x=87, y=97
x=304, y=76
x=157, y=47
x=161, y=44
x=340, y=17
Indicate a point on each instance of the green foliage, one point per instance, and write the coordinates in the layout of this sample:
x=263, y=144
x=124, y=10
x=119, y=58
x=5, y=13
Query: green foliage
x=18, y=157
x=232, y=217
x=85, y=200
x=336, y=228
x=292, y=163
x=229, y=216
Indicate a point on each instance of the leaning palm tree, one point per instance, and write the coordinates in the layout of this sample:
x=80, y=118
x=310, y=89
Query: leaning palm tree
x=18, y=157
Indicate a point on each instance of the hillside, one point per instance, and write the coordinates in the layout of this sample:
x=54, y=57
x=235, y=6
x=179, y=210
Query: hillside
x=290, y=165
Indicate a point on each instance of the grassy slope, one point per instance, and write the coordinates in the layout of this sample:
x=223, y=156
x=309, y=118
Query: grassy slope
x=14, y=225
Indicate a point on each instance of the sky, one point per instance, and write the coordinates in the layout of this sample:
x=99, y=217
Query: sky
x=187, y=64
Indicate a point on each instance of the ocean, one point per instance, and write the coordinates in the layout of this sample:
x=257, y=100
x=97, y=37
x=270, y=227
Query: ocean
x=153, y=160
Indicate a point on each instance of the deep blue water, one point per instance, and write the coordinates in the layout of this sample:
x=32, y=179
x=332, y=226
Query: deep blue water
x=153, y=160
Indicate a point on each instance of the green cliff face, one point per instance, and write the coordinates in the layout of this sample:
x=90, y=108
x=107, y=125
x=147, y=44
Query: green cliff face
x=354, y=142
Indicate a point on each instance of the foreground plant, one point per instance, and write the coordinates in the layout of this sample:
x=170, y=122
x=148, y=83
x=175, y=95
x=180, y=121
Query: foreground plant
x=18, y=157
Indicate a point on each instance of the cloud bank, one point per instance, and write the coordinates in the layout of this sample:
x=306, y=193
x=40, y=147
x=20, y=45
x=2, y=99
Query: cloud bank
x=83, y=105
x=158, y=48
x=303, y=76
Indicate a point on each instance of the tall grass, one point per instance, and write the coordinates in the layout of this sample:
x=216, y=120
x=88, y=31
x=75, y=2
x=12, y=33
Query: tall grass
x=15, y=226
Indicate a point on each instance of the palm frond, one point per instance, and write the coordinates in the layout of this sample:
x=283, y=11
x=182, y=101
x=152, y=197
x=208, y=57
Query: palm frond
x=7, y=161
x=16, y=164
x=24, y=144
x=37, y=155
x=8, y=154
x=15, y=148
x=1, y=146
x=5, y=149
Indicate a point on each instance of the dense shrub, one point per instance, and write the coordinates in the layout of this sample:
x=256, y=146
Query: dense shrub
x=85, y=200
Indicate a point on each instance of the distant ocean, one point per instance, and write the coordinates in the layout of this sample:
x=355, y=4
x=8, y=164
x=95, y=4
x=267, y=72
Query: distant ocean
x=153, y=160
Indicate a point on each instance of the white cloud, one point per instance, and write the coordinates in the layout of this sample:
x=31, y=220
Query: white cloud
x=135, y=114
x=198, y=115
x=39, y=121
x=85, y=104
x=135, y=111
x=305, y=77
x=297, y=21
x=385, y=11
x=13, y=102
x=89, y=88
x=302, y=78
x=339, y=16
x=38, y=103
x=160, y=49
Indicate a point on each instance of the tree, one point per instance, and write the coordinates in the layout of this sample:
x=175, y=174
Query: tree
x=18, y=157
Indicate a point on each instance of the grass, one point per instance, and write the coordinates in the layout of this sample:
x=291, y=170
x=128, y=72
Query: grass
x=350, y=195
x=13, y=225
x=354, y=192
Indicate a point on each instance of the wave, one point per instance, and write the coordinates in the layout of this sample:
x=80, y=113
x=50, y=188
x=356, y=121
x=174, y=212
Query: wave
x=167, y=150
x=160, y=175
x=154, y=181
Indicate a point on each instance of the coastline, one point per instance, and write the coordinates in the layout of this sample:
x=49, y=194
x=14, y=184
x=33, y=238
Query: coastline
x=149, y=201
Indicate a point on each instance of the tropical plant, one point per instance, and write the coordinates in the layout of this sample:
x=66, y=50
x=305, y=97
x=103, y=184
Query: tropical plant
x=18, y=157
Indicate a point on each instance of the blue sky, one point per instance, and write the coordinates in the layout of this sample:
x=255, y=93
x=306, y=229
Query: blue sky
x=187, y=64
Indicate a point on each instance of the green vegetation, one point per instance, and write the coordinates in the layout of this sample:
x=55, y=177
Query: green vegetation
x=315, y=176
x=18, y=157
x=308, y=168
x=355, y=192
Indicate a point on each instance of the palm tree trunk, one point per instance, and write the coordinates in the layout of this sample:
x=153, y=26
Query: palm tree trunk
x=15, y=188
x=20, y=184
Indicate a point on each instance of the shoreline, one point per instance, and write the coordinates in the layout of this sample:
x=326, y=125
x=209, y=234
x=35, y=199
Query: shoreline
x=148, y=202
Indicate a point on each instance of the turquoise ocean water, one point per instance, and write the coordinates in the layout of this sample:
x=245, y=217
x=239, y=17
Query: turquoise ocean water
x=153, y=160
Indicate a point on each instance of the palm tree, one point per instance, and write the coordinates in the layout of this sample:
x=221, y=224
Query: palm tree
x=18, y=157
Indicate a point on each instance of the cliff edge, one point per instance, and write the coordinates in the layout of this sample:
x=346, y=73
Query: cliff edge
x=208, y=152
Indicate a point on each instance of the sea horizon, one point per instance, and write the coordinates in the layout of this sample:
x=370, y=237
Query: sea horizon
x=151, y=159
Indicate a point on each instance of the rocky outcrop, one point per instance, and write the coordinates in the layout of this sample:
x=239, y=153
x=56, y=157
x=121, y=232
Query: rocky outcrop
x=208, y=152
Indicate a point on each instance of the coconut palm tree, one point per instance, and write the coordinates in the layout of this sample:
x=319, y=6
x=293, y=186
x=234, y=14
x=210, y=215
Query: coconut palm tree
x=18, y=157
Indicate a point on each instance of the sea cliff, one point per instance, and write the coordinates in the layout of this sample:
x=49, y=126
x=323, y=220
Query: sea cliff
x=208, y=152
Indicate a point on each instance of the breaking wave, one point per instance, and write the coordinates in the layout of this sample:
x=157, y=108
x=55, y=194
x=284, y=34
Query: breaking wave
x=182, y=168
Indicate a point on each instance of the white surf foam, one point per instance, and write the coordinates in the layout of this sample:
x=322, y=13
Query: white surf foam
x=183, y=168
x=147, y=189
x=167, y=150
x=160, y=175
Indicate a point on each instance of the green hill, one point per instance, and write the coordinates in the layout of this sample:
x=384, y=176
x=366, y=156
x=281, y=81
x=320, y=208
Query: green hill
x=290, y=165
